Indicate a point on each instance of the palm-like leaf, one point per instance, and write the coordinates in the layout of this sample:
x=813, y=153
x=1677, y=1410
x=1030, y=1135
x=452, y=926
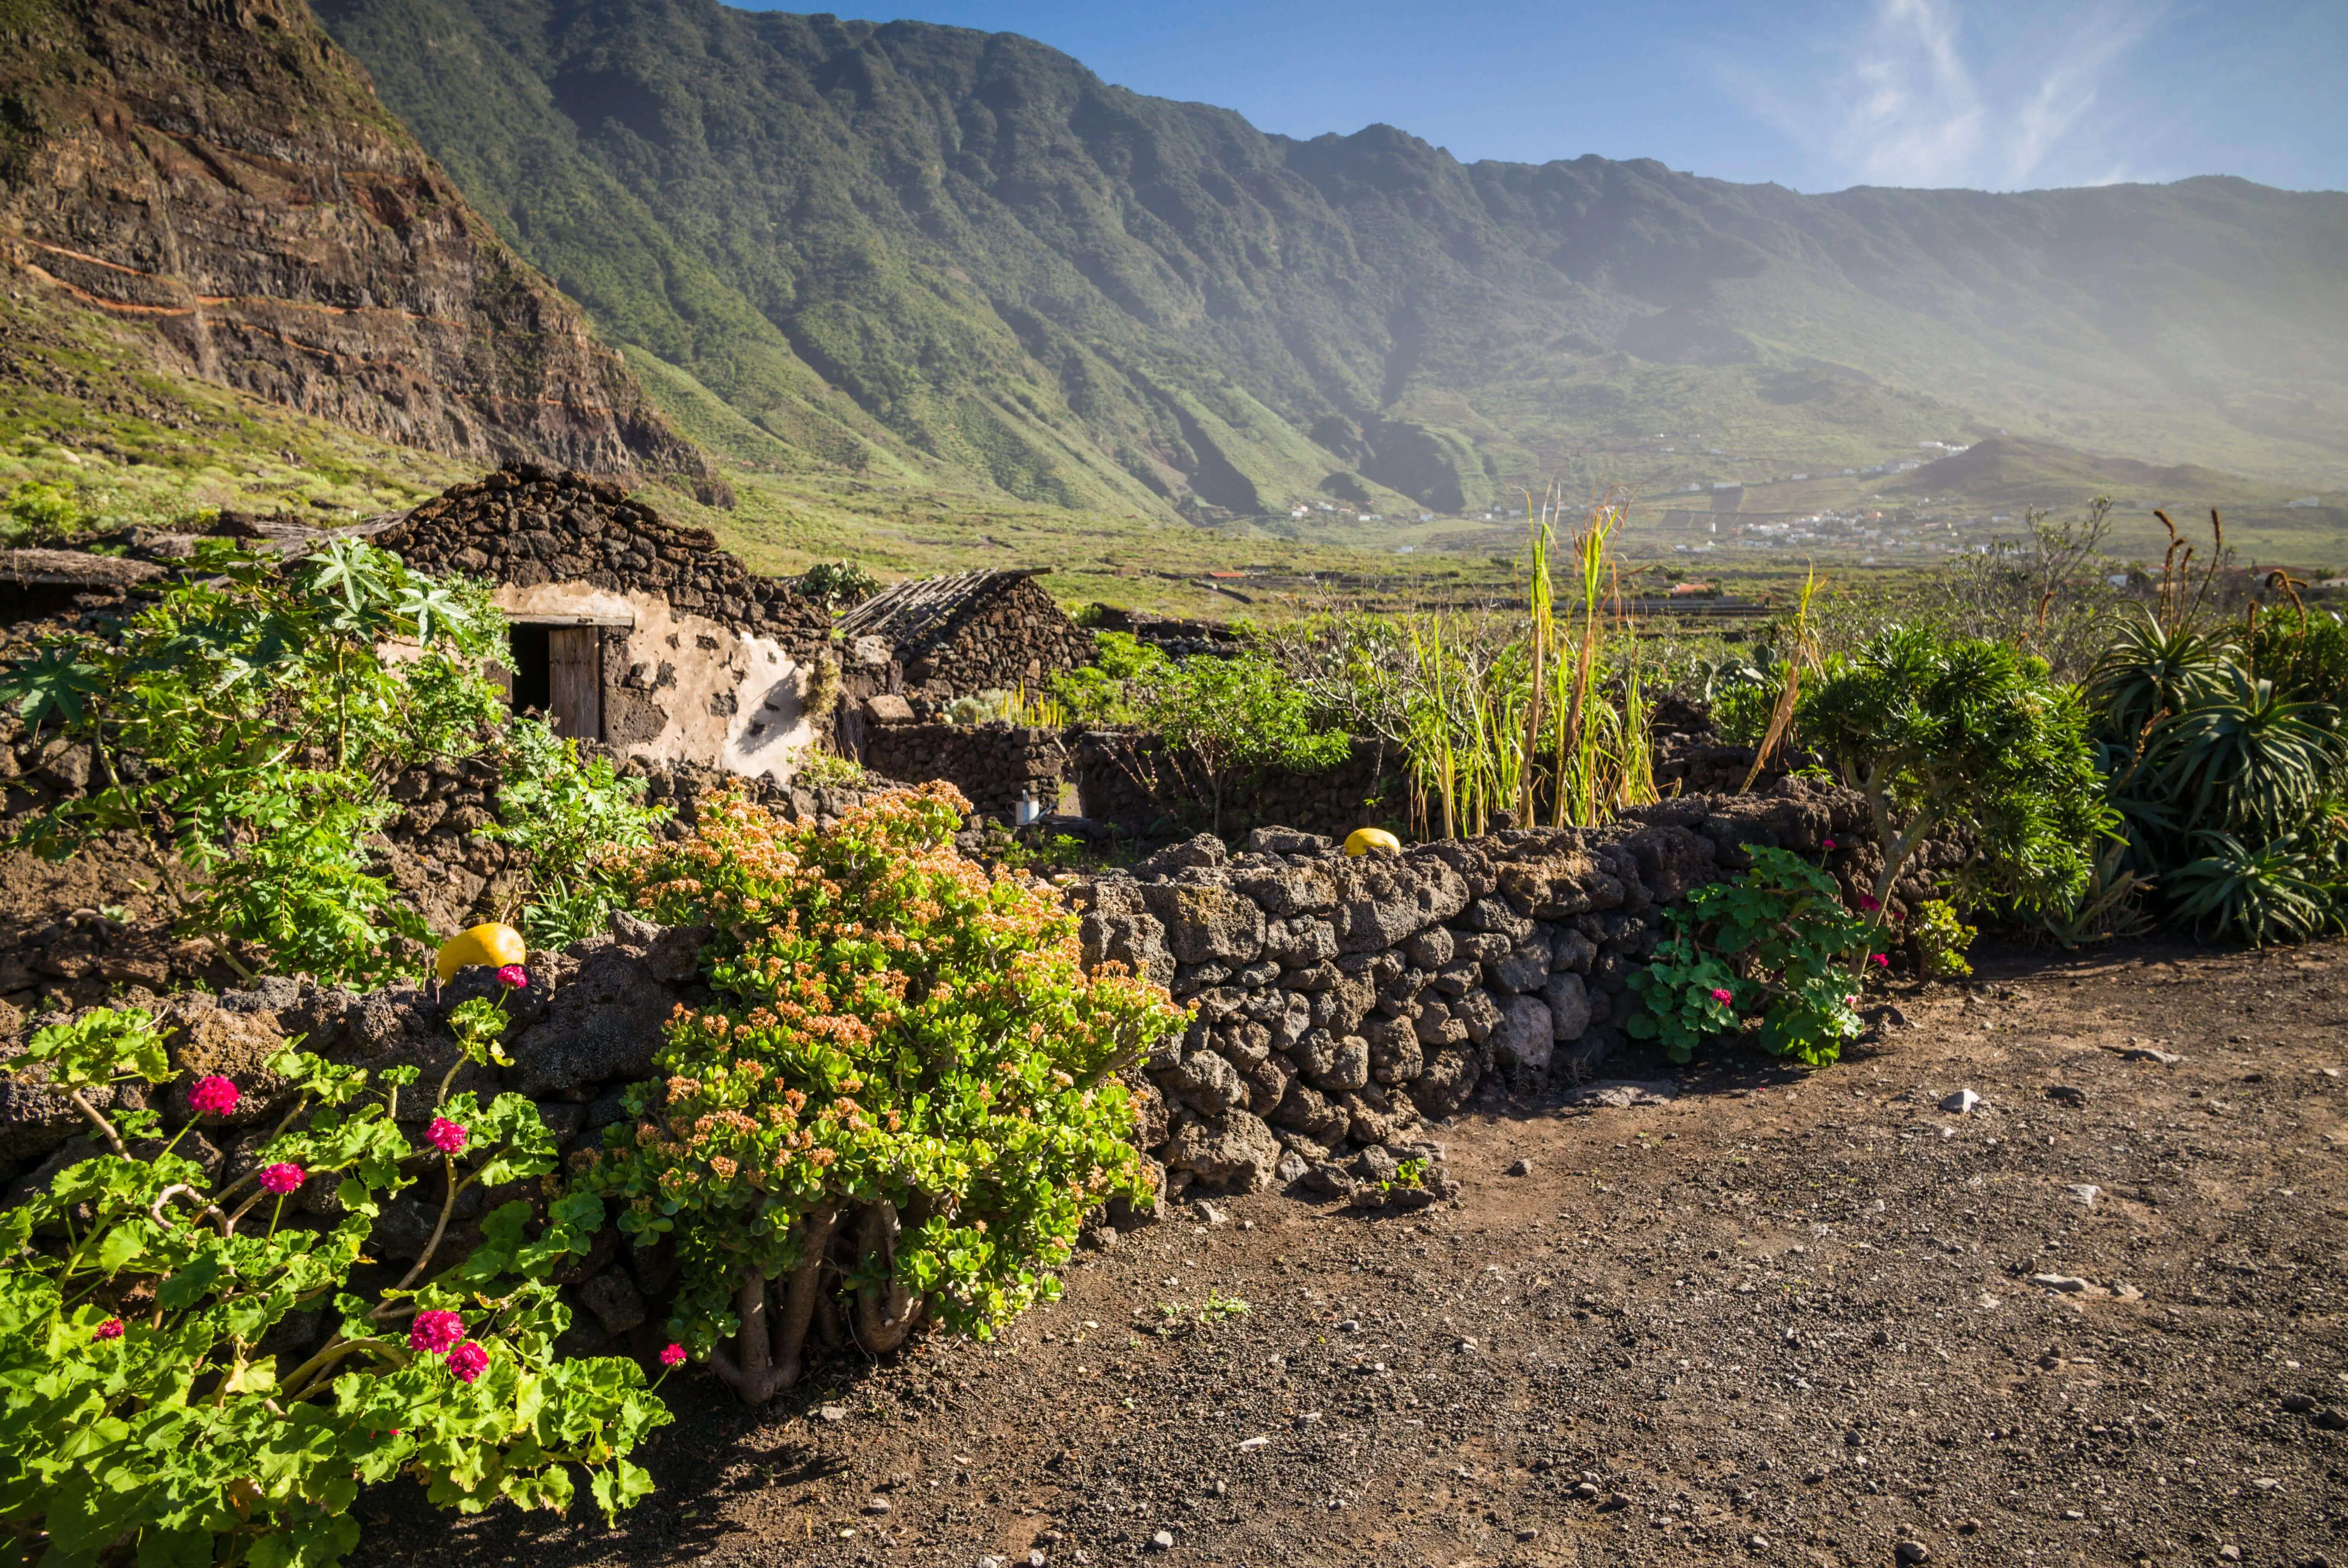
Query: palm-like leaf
x=54, y=682
x=2245, y=757
x=2275, y=891
x=2147, y=673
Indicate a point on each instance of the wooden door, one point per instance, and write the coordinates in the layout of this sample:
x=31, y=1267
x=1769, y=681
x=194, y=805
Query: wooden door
x=574, y=672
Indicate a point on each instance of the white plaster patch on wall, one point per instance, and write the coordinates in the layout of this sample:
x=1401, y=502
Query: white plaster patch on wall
x=730, y=699
x=771, y=732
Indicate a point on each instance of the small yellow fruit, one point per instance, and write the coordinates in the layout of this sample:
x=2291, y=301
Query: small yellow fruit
x=492, y=943
x=1362, y=840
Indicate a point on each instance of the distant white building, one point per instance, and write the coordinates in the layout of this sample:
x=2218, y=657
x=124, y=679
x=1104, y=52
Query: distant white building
x=2309, y=501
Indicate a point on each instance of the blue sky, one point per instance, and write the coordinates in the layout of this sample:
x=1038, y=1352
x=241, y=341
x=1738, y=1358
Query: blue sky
x=1815, y=93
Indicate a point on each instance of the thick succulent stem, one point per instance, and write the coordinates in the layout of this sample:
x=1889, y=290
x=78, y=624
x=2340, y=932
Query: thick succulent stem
x=798, y=1301
x=884, y=1315
x=747, y=1372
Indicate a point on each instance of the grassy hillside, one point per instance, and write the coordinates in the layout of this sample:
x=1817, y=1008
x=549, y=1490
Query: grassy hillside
x=925, y=255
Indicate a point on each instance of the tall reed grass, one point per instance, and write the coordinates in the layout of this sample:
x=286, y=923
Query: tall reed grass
x=1540, y=715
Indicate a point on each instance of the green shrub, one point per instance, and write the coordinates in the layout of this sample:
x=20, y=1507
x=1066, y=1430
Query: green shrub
x=1942, y=732
x=143, y=1414
x=559, y=812
x=241, y=728
x=1226, y=720
x=829, y=770
x=39, y=514
x=835, y=584
x=1106, y=692
x=908, y=1090
x=1775, y=950
x=1940, y=939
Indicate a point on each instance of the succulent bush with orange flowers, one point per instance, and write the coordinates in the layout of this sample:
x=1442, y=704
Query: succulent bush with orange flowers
x=904, y=1104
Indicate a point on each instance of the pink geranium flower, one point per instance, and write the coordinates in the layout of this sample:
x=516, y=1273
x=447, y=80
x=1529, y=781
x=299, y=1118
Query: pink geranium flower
x=1867, y=904
x=434, y=1332
x=673, y=1355
x=468, y=1361
x=1829, y=843
x=110, y=1329
x=1881, y=961
x=1723, y=997
x=282, y=1178
x=213, y=1096
x=445, y=1135
x=515, y=975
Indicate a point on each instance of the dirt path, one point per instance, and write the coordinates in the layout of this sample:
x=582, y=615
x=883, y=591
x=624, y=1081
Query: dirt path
x=1780, y=1319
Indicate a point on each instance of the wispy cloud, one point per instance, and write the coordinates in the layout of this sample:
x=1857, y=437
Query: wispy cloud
x=1912, y=96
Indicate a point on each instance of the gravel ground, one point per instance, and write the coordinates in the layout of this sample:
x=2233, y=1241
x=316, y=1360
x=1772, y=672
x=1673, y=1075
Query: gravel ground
x=1815, y=1319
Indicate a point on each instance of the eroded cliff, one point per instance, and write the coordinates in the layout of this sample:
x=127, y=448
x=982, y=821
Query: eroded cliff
x=219, y=173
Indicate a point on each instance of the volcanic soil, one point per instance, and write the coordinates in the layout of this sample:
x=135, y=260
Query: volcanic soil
x=1784, y=1317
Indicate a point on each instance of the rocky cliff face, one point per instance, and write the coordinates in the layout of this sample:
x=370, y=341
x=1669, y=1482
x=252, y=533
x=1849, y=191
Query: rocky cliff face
x=219, y=173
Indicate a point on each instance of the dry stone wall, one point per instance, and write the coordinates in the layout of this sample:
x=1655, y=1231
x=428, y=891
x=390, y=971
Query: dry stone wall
x=993, y=765
x=1343, y=1003
x=1129, y=779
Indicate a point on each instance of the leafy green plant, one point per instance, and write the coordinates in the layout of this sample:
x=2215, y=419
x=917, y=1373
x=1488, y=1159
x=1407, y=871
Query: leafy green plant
x=837, y=583
x=146, y=1410
x=1938, y=731
x=1227, y=720
x=1103, y=692
x=2225, y=778
x=1940, y=939
x=35, y=512
x=909, y=1091
x=829, y=770
x=560, y=813
x=241, y=729
x=1775, y=950
x=2265, y=892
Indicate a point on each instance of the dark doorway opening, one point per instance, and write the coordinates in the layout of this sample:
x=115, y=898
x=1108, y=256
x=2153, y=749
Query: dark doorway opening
x=532, y=664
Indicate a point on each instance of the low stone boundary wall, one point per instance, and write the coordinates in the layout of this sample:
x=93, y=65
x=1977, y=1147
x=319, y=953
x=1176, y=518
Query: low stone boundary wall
x=1128, y=779
x=1342, y=1002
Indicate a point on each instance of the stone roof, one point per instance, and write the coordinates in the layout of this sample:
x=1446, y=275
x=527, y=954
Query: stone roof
x=527, y=525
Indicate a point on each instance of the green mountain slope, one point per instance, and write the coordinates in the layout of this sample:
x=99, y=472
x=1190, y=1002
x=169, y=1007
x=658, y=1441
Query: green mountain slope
x=923, y=254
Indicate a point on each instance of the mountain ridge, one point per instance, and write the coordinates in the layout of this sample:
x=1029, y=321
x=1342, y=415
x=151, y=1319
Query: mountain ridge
x=908, y=250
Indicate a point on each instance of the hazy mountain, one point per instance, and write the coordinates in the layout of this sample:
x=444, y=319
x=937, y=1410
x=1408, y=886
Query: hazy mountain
x=216, y=189
x=921, y=249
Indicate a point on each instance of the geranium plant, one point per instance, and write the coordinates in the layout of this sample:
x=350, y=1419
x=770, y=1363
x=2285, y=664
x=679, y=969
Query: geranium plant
x=147, y=1407
x=904, y=1103
x=1775, y=949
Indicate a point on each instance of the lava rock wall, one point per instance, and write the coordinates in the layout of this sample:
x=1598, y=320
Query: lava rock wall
x=995, y=766
x=1341, y=1002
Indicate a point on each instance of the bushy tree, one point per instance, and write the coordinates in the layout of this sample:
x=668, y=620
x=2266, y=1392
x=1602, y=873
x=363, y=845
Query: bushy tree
x=1226, y=720
x=1939, y=731
x=243, y=729
x=907, y=1092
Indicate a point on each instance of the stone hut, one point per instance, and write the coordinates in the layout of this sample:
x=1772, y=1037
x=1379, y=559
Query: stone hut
x=932, y=639
x=629, y=630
